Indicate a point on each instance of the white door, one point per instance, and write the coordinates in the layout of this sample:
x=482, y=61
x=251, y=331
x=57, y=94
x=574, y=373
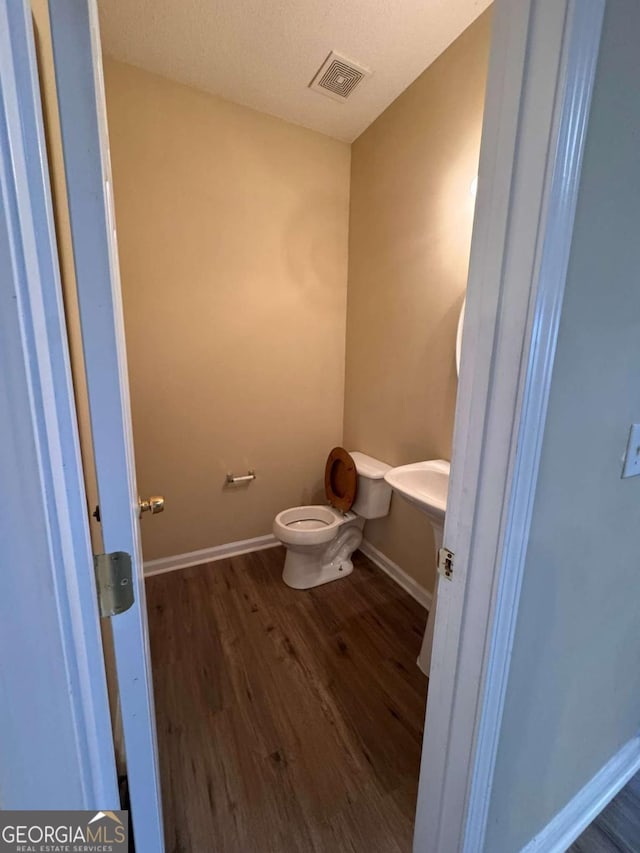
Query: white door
x=78, y=68
x=56, y=744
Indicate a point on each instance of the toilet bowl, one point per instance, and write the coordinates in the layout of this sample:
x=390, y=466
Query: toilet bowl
x=320, y=540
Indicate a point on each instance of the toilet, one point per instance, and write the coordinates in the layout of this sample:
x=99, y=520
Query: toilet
x=321, y=539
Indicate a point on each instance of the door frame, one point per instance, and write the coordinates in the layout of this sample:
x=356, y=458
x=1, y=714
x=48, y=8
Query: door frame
x=542, y=67
x=59, y=752
x=75, y=39
x=543, y=61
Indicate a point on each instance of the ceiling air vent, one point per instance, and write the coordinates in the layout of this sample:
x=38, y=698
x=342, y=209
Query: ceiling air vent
x=337, y=77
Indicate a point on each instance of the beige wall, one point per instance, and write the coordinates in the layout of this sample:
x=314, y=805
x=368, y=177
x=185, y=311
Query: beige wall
x=232, y=231
x=410, y=234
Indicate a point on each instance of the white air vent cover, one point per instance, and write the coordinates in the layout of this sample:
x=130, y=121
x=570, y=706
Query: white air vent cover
x=338, y=77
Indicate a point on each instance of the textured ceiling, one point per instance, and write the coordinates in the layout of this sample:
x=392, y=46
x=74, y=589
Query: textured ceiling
x=264, y=53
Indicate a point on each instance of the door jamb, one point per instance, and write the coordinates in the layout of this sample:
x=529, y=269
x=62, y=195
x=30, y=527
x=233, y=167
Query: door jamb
x=75, y=37
x=542, y=68
x=28, y=210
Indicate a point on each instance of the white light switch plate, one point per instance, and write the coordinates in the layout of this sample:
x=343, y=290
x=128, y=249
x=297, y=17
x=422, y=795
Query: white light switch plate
x=632, y=458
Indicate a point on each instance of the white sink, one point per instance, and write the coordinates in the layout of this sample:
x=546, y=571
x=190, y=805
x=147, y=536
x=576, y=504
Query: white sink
x=424, y=484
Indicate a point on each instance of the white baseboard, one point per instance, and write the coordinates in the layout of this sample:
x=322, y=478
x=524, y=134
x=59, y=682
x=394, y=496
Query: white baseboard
x=408, y=584
x=587, y=804
x=209, y=555
x=259, y=543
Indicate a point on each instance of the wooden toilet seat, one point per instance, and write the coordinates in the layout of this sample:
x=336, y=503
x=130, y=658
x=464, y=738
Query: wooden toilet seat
x=340, y=479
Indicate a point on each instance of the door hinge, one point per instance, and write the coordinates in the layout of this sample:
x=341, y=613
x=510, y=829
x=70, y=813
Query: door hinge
x=114, y=581
x=445, y=563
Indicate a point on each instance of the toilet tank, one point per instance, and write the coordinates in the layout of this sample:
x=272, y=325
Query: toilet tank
x=374, y=493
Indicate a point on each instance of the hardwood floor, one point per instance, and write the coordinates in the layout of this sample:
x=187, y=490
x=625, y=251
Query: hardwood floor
x=617, y=828
x=288, y=720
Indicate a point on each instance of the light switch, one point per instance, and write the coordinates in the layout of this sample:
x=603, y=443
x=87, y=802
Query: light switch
x=632, y=458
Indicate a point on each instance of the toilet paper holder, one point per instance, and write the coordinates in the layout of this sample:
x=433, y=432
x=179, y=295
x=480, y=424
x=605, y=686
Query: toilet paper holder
x=244, y=478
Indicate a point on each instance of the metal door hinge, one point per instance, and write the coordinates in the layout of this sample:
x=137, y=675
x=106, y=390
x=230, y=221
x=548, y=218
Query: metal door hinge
x=445, y=563
x=114, y=582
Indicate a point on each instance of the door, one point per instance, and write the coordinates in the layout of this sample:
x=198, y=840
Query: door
x=78, y=69
x=55, y=730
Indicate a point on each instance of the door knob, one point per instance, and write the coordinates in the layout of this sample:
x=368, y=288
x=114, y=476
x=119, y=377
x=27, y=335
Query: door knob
x=154, y=504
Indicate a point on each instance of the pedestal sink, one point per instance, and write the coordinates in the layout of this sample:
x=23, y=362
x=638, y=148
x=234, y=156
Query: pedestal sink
x=425, y=484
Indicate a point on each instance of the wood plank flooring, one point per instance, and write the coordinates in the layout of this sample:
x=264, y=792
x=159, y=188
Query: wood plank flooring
x=617, y=828
x=288, y=720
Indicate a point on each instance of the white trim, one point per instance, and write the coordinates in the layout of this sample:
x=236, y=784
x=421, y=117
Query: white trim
x=75, y=35
x=542, y=54
x=261, y=543
x=50, y=631
x=209, y=555
x=408, y=584
x=587, y=804
x=575, y=84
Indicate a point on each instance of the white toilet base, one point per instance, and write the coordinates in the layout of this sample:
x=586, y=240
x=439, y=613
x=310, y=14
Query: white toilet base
x=306, y=567
x=303, y=571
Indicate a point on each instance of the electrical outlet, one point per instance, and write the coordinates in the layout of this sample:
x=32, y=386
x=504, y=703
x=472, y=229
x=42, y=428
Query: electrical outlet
x=632, y=458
